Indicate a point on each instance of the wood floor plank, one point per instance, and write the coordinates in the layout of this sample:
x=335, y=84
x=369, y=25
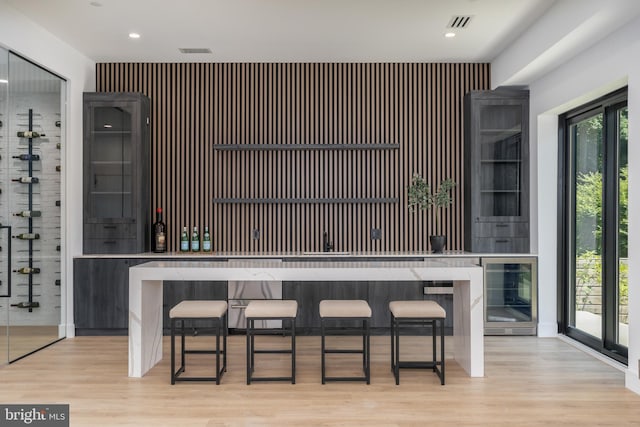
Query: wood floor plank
x=529, y=382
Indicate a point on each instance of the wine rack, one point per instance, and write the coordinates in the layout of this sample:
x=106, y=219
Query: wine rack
x=30, y=203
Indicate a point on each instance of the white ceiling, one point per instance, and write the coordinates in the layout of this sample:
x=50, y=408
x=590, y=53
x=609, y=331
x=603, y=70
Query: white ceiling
x=284, y=30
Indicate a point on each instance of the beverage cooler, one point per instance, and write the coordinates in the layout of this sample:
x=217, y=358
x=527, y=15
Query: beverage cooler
x=31, y=133
x=510, y=297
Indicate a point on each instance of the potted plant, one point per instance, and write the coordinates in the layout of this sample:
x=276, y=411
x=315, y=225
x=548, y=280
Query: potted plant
x=422, y=198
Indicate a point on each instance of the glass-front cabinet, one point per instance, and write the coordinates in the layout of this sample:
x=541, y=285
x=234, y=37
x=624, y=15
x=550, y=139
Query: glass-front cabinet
x=497, y=171
x=510, y=296
x=116, y=153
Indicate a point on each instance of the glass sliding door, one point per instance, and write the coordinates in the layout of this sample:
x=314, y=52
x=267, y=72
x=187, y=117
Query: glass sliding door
x=593, y=258
x=585, y=135
x=31, y=139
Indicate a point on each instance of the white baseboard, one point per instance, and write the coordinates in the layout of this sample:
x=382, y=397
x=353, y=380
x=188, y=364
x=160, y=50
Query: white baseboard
x=70, y=329
x=631, y=381
x=596, y=354
x=547, y=330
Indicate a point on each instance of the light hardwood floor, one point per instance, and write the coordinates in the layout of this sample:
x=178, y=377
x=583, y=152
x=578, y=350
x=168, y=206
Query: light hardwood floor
x=529, y=382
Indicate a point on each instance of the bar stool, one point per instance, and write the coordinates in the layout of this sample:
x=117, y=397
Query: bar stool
x=270, y=310
x=416, y=314
x=333, y=310
x=192, y=310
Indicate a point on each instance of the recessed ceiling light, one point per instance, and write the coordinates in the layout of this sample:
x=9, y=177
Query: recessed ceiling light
x=95, y=3
x=134, y=35
x=4, y=81
x=449, y=35
x=107, y=126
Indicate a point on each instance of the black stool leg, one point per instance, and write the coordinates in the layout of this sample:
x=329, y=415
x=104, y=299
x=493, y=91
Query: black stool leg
x=218, y=353
x=173, y=352
x=396, y=370
x=442, y=352
x=393, y=354
x=249, y=352
x=182, y=343
x=293, y=350
x=322, y=345
x=368, y=353
x=434, y=332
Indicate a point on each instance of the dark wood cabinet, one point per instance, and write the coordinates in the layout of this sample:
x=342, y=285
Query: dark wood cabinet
x=496, y=171
x=101, y=295
x=116, y=173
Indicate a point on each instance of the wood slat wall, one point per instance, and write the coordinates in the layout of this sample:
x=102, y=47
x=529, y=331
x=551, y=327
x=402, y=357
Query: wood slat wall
x=199, y=109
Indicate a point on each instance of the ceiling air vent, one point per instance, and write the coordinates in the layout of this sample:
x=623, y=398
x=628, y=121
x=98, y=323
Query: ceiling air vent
x=195, y=50
x=459, y=21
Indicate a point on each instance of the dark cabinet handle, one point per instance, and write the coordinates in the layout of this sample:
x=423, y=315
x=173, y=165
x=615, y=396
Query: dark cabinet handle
x=502, y=225
x=502, y=241
x=110, y=227
x=109, y=242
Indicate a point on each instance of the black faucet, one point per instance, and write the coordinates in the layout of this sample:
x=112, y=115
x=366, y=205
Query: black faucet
x=326, y=245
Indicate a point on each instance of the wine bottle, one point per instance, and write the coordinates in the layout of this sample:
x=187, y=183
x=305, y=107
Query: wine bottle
x=58, y=282
x=195, y=240
x=27, y=236
x=159, y=233
x=29, y=134
x=26, y=180
x=206, y=240
x=57, y=202
x=58, y=124
x=58, y=145
x=58, y=168
x=27, y=270
x=28, y=214
x=27, y=157
x=33, y=304
x=184, y=240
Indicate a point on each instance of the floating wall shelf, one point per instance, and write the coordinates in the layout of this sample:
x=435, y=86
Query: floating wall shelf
x=304, y=201
x=281, y=147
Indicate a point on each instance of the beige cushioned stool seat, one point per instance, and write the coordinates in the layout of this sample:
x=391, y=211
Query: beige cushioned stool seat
x=344, y=308
x=271, y=309
x=417, y=309
x=198, y=308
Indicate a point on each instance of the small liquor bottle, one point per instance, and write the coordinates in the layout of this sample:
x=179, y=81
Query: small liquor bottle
x=159, y=233
x=195, y=240
x=184, y=240
x=206, y=240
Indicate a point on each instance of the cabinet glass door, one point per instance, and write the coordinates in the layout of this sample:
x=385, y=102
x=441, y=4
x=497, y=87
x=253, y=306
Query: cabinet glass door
x=111, y=148
x=501, y=160
x=510, y=292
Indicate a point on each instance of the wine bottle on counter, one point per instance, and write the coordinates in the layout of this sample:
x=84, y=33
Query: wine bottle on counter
x=26, y=180
x=27, y=270
x=29, y=134
x=58, y=123
x=33, y=304
x=27, y=157
x=28, y=214
x=195, y=240
x=27, y=236
x=159, y=233
x=58, y=168
x=206, y=240
x=184, y=240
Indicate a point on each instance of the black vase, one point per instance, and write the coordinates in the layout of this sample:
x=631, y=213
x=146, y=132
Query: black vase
x=437, y=243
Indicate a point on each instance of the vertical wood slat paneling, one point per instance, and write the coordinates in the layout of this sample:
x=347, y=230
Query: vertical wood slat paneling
x=196, y=106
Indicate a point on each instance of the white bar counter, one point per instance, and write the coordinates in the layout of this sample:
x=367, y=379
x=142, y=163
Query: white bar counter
x=145, y=295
